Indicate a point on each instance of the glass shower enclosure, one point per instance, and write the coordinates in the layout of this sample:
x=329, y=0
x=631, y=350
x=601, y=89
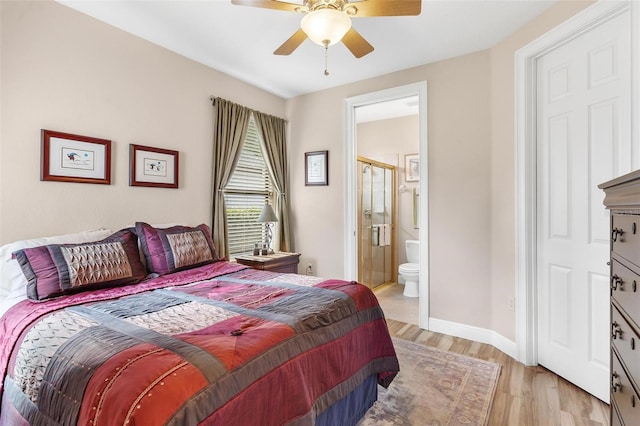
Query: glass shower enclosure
x=376, y=223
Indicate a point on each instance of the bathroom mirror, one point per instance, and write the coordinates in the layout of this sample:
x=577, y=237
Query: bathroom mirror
x=416, y=205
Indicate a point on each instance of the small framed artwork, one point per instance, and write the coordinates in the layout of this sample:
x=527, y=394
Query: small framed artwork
x=155, y=167
x=412, y=168
x=316, y=168
x=73, y=158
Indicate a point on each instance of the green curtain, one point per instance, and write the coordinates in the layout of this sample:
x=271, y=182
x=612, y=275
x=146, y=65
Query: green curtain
x=230, y=128
x=273, y=132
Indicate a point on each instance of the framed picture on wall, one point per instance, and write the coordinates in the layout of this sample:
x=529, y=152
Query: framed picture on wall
x=154, y=167
x=66, y=157
x=412, y=168
x=316, y=168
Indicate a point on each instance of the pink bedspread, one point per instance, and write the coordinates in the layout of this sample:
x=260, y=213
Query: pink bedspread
x=218, y=344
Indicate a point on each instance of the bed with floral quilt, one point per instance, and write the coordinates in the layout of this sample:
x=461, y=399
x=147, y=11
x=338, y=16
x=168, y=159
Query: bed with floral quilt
x=175, y=336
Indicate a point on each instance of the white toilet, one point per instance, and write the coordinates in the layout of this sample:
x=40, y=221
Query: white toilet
x=411, y=271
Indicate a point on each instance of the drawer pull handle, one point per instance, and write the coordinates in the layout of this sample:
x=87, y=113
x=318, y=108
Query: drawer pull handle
x=615, y=383
x=633, y=343
x=616, y=331
x=614, y=234
x=633, y=228
x=633, y=400
x=634, y=286
x=615, y=282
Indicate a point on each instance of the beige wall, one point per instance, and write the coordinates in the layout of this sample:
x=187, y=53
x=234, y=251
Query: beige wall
x=389, y=141
x=503, y=176
x=471, y=176
x=62, y=70
x=459, y=180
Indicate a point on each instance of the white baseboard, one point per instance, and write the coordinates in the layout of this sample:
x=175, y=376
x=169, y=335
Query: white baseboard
x=476, y=334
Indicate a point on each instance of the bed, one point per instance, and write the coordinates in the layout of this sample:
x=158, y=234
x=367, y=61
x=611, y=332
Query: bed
x=147, y=326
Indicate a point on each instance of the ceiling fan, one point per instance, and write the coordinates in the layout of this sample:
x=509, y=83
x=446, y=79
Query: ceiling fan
x=327, y=22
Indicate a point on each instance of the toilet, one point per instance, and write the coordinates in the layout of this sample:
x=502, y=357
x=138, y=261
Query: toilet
x=411, y=271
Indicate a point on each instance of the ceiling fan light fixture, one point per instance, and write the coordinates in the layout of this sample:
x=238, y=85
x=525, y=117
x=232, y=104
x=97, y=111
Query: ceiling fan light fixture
x=325, y=27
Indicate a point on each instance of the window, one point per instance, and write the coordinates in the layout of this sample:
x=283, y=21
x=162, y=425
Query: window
x=248, y=190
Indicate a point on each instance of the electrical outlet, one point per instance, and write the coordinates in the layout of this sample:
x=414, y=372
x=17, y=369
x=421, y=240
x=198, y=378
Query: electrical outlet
x=511, y=303
x=310, y=269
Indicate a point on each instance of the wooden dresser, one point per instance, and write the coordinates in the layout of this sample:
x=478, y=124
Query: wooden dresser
x=623, y=199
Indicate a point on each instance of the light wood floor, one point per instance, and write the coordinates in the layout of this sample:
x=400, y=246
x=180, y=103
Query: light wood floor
x=525, y=395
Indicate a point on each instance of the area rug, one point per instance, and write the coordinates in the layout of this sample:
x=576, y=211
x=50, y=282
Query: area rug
x=436, y=388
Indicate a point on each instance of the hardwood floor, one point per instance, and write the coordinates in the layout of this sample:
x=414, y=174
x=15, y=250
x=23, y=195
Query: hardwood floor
x=525, y=395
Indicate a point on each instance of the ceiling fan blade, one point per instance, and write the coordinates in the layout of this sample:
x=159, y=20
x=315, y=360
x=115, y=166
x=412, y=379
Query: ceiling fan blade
x=356, y=43
x=386, y=7
x=292, y=43
x=268, y=4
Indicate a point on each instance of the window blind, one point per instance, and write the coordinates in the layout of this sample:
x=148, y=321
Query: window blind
x=248, y=190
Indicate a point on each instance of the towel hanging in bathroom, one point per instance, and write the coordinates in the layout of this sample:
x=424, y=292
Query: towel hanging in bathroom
x=385, y=235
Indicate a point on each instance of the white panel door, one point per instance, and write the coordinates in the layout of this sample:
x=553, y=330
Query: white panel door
x=584, y=138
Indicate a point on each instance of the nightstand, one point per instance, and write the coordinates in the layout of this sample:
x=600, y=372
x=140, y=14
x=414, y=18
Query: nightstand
x=276, y=262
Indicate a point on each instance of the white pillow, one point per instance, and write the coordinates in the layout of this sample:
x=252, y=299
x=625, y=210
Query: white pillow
x=13, y=284
x=161, y=226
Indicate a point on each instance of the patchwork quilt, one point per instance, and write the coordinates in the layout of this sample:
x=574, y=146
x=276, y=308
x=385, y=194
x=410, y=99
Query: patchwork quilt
x=218, y=344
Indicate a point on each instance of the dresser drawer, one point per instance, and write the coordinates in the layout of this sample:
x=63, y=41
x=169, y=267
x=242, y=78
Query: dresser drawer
x=625, y=236
x=623, y=394
x=626, y=342
x=625, y=286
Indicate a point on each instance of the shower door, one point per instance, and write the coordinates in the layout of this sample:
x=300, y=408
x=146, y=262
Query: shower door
x=376, y=227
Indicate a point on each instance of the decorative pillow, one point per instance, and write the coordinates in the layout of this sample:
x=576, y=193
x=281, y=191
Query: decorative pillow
x=176, y=248
x=58, y=269
x=154, y=225
x=13, y=283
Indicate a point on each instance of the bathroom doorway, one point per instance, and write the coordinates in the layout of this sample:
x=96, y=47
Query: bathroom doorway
x=353, y=107
x=377, y=263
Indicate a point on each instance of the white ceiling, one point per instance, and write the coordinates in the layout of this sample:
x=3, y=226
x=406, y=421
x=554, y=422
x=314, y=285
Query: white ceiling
x=388, y=109
x=239, y=40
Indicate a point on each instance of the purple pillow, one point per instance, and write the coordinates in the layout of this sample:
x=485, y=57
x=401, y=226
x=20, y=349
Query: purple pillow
x=177, y=248
x=58, y=269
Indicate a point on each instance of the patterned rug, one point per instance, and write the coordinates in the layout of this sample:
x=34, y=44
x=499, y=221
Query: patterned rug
x=435, y=388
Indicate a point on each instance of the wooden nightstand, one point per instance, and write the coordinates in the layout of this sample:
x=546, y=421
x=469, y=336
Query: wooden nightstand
x=276, y=262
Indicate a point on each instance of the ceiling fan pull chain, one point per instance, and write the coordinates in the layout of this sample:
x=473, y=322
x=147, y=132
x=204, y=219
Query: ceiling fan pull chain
x=326, y=54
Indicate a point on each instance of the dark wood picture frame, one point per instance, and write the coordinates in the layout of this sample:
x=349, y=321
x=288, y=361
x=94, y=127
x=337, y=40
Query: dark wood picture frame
x=153, y=167
x=66, y=157
x=316, y=168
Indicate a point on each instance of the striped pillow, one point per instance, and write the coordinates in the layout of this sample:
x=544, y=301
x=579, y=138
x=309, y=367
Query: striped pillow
x=59, y=269
x=176, y=248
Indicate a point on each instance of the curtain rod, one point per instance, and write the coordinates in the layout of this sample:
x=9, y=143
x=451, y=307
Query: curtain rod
x=212, y=98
